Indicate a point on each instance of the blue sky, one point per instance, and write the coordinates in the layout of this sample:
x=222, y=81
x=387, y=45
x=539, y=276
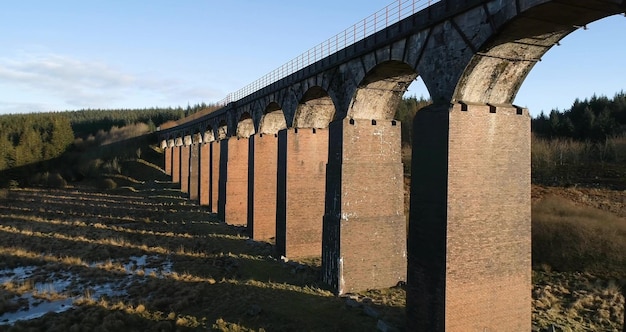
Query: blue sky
x=67, y=55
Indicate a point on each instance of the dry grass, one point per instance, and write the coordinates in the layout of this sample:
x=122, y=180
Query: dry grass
x=576, y=301
x=215, y=273
x=570, y=237
x=219, y=280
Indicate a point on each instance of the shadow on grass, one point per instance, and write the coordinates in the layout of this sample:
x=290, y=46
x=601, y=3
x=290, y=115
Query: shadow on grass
x=218, y=278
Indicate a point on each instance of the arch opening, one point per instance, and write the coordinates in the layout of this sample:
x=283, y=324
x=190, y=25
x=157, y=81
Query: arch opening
x=197, y=137
x=222, y=130
x=315, y=110
x=187, y=140
x=245, y=126
x=273, y=119
x=208, y=135
x=380, y=92
x=496, y=72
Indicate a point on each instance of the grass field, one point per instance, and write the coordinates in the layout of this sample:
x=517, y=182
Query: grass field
x=143, y=258
x=146, y=259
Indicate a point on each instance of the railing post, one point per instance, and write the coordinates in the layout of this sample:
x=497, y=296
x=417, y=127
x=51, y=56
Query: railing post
x=365, y=27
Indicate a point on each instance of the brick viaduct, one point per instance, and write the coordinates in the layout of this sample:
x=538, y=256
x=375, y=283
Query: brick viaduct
x=313, y=160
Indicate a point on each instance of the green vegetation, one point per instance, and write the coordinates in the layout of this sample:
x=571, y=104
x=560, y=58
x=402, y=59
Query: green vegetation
x=90, y=122
x=405, y=113
x=595, y=119
x=30, y=138
x=52, y=149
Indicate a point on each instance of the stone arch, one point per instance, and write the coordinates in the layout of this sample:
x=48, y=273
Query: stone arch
x=380, y=91
x=187, y=139
x=222, y=130
x=208, y=135
x=245, y=126
x=273, y=119
x=197, y=137
x=497, y=70
x=178, y=141
x=316, y=109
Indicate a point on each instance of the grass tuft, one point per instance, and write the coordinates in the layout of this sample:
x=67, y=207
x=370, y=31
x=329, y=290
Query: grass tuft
x=568, y=237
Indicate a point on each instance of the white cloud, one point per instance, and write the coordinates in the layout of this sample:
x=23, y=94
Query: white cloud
x=59, y=72
x=70, y=83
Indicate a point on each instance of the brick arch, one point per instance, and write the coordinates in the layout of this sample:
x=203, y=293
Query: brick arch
x=381, y=90
x=273, y=119
x=316, y=109
x=499, y=66
x=245, y=126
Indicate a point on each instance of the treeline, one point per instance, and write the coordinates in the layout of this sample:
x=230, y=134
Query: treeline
x=30, y=138
x=595, y=119
x=91, y=121
x=405, y=113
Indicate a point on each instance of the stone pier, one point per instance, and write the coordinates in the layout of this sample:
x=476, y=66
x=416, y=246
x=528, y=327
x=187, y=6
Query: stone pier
x=194, y=172
x=205, y=174
x=168, y=160
x=263, y=170
x=469, y=234
x=236, y=205
x=176, y=164
x=364, y=207
x=302, y=158
x=185, y=152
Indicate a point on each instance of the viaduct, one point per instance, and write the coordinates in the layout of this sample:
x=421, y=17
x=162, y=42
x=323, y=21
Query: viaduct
x=310, y=156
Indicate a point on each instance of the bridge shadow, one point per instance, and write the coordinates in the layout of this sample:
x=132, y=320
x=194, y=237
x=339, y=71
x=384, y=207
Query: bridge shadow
x=216, y=278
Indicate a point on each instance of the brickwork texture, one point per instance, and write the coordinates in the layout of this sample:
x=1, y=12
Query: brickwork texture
x=236, y=205
x=365, y=246
x=205, y=174
x=263, y=175
x=300, y=207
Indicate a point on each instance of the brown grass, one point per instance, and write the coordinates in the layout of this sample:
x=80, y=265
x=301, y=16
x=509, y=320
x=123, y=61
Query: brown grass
x=574, y=301
x=216, y=273
x=571, y=237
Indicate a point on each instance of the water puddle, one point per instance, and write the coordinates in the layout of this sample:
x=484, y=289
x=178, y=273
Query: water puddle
x=59, y=292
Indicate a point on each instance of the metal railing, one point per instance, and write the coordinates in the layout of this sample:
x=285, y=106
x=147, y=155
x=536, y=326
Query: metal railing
x=380, y=20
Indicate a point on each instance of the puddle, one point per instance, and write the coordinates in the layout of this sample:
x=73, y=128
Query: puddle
x=66, y=282
x=36, y=309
